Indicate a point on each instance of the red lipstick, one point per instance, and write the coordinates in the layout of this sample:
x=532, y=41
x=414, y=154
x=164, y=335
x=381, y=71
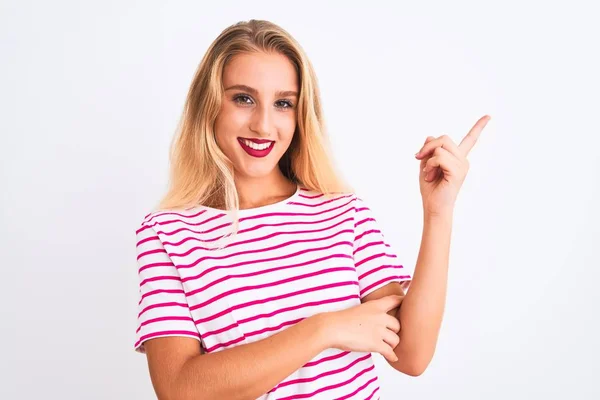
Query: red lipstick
x=256, y=152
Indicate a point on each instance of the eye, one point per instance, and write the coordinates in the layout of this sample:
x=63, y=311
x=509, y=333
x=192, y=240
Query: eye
x=243, y=99
x=284, y=104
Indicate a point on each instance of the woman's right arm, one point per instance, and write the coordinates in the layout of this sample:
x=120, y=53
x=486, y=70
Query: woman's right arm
x=179, y=371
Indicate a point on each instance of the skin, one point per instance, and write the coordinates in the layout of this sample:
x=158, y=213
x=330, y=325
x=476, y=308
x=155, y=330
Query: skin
x=443, y=166
x=402, y=327
x=261, y=93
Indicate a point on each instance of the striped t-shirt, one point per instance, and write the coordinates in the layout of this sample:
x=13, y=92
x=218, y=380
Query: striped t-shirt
x=290, y=260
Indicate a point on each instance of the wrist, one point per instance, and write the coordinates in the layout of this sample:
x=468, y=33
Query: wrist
x=442, y=215
x=321, y=325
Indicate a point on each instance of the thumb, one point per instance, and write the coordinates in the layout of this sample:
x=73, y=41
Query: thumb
x=390, y=302
x=425, y=159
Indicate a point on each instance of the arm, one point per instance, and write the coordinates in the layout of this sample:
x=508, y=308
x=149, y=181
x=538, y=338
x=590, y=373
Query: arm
x=422, y=309
x=423, y=306
x=178, y=371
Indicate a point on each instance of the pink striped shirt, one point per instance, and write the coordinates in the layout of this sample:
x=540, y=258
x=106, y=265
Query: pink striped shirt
x=289, y=260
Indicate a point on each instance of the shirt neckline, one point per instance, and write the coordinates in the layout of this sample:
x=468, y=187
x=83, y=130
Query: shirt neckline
x=266, y=208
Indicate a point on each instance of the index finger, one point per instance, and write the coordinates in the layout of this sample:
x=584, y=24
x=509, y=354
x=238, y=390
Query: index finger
x=469, y=141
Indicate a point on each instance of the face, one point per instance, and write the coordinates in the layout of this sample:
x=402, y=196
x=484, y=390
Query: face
x=258, y=118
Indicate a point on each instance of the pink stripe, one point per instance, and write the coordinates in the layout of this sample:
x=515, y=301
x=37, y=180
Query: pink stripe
x=176, y=231
x=389, y=278
x=149, y=252
x=283, y=296
x=369, y=244
x=309, y=304
x=142, y=229
x=372, y=271
x=356, y=225
x=220, y=330
x=241, y=231
x=289, y=223
x=327, y=373
x=324, y=359
x=225, y=344
x=307, y=395
x=349, y=395
x=162, y=214
x=270, y=236
x=146, y=240
x=154, y=320
x=260, y=216
x=161, y=264
x=372, y=393
x=160, y=278
x=328, y=358
x=313, y=363
x=357, y=238
x=373, y=257
x=279, y=258
x=266, y=271
x=246, y=335
x=278, y=311
x=294, y=214
x=311, y=197
x=166, y=333
x=262, y=260
x=171, y=221
x=161, y=305
x=266, y=285
x=265, y=249
x=157, y=291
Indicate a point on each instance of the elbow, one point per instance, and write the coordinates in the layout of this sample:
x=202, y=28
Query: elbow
x=413, y=365
x=415, y=370
x=177, y=391
x=183, y=396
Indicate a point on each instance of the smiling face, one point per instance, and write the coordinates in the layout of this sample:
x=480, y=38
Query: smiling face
x=257, y=120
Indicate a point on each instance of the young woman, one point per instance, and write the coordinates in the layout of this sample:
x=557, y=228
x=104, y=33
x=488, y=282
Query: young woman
x=261, y=274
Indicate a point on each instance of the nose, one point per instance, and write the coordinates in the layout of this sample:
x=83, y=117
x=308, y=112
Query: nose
x=262, y=121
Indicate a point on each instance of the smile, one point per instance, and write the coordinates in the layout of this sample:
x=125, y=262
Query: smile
x=256, y=147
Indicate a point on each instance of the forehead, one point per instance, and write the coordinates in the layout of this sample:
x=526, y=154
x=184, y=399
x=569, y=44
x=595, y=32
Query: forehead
x=262, y=71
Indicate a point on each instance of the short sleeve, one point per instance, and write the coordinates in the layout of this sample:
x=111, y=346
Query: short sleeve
x=376, y=262
x=162, y=309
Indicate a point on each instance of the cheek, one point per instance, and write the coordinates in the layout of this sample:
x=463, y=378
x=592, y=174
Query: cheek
x=229, y=124
x=287, y=126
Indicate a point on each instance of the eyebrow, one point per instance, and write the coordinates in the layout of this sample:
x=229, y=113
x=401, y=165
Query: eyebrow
x=281, y=93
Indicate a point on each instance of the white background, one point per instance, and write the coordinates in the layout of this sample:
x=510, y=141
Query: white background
x=90, y=94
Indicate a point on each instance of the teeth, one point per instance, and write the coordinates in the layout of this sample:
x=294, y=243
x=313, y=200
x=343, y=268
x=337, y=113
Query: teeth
x=257, y=146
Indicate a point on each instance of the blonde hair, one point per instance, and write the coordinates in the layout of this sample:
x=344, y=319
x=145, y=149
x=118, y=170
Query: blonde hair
x=200, y=172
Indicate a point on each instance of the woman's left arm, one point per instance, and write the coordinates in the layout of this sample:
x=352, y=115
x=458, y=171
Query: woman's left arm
x=444, y=166
x=422, y=309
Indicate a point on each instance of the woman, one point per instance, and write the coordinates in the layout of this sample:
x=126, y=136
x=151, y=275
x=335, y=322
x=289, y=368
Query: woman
x=261, y=274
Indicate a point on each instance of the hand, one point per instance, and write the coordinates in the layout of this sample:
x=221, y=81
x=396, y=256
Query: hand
x=366, y=327
x=444, y=166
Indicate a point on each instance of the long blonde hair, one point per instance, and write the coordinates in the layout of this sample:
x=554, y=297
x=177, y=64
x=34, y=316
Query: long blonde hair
x=200, y=172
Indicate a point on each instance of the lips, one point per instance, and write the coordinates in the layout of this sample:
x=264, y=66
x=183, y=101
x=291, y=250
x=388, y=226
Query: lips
x=256, y=147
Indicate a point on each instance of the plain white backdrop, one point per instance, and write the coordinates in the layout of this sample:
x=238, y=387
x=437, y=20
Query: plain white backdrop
x=90, y=94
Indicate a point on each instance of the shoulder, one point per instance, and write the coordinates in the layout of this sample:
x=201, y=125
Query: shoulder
x=167, y=219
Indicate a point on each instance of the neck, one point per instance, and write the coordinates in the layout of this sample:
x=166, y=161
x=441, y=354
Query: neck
x=258, y=192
